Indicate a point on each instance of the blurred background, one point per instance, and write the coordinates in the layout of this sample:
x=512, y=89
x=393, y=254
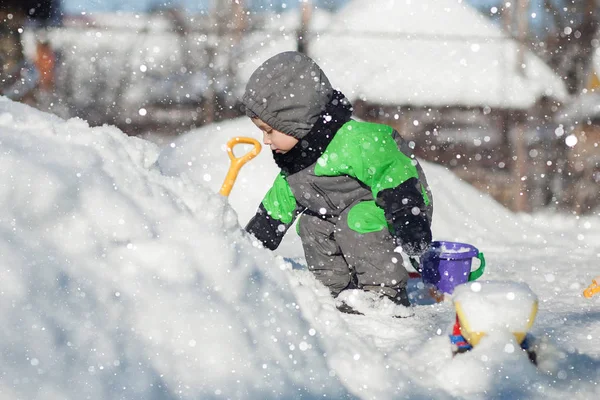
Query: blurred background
x=504, y=93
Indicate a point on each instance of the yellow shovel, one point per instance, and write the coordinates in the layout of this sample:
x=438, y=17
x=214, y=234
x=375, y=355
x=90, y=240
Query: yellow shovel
x=593, y=289
x=237, y=162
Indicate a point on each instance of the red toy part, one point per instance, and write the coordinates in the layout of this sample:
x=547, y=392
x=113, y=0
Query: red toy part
x=456, y=328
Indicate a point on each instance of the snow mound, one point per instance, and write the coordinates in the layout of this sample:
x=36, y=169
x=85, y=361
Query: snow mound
x=119, y=282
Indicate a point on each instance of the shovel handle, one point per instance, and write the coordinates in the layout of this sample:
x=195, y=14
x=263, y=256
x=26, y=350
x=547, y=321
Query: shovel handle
x=237, y=162
x=592, y=289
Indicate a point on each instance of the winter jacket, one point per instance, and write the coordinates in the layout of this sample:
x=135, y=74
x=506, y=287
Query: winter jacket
x=367, y=167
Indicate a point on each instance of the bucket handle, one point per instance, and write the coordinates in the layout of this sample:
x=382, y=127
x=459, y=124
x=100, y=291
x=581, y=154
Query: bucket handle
x=479, y=271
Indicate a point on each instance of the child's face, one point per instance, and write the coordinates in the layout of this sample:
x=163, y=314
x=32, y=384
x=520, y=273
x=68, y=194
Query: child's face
x=278, y=141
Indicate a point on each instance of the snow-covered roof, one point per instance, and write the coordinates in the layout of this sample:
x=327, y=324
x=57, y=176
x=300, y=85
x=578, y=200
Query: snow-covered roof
x=422, y=53
x=290, y=21
x=585, y=106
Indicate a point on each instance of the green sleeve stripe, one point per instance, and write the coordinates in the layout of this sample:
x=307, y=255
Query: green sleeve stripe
x=279, y=201
x=369, y=153
x=425, y=196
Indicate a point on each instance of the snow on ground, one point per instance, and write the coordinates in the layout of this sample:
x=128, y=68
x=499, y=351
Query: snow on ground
x=126, y=276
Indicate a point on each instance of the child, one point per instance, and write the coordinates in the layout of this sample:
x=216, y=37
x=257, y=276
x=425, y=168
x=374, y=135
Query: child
x=356, y=186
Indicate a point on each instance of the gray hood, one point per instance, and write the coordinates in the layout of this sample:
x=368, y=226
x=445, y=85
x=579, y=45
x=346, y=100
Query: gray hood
x=288, y=92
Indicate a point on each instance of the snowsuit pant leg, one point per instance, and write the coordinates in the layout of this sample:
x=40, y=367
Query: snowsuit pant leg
x=334, y=252
x=372, y=256
x=323, y=255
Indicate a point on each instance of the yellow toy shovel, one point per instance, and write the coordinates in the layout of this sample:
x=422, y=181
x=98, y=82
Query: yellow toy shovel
x=593, y=289
x=237, y=162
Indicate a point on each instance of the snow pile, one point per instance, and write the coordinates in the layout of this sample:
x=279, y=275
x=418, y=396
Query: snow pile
x=118, y=282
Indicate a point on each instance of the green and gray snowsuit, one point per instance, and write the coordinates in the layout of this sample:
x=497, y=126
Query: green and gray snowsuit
x=358, y=188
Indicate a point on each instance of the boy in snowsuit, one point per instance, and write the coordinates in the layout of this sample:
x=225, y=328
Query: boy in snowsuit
x=357, y=187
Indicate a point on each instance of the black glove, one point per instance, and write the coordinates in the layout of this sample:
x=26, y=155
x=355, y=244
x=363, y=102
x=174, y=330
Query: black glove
x=406, y=216
x=412, y=232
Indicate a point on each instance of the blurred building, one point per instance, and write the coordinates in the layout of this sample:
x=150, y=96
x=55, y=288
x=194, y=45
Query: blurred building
x=21, y=76
x=580, y=122
x=163, y=72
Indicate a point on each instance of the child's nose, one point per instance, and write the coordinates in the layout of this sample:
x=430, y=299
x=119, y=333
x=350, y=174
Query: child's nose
x=266, y=139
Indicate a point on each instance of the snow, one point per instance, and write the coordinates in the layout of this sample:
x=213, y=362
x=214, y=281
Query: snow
x=289, y=22
x=370, y=303
x=585, y=107
x=126, y=276
x=496, y=305
x=422, y=53
x=450, y=250
x=596, y=62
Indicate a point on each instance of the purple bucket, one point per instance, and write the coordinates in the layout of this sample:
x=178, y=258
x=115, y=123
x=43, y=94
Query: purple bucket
x=448, y=264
